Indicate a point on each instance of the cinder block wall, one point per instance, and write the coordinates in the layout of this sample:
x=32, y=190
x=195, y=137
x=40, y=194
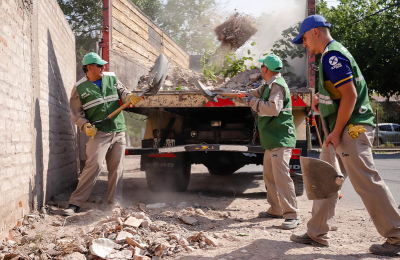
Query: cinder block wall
x=37, y=138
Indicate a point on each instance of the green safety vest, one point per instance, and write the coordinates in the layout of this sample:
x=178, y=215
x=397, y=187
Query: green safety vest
x=363, y=113
x=98, y=104
x=277, y=131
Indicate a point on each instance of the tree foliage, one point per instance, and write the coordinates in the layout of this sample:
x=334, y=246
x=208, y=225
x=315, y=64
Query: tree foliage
x=189, y=23
x=373, y=40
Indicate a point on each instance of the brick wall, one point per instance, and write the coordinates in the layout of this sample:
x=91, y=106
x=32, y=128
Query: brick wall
x=37, y=137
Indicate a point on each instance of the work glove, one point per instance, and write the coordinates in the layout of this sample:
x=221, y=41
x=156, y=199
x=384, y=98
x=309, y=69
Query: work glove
x=133, y=99
x=355, y=130
x=247, y=98
x=90, y=130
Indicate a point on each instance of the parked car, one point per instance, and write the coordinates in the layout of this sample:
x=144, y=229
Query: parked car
x=388, y=132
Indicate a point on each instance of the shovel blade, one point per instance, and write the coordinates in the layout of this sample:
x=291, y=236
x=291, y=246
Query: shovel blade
x=319, y=178
x=157, y=75
x=206, y=92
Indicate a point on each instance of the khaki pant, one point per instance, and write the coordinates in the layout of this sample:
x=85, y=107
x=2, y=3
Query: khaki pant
x=109, y=146
x=280, y=188
x=356, y=162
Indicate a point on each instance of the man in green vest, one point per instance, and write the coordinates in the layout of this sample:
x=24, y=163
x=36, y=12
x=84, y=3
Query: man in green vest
x=343, y=103
x=273, y=104
x=93, y=98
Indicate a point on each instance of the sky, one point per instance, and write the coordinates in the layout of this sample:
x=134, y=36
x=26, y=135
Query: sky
x=256, y=7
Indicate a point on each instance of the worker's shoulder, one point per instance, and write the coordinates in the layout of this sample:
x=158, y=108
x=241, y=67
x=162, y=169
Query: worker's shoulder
x=80, y=81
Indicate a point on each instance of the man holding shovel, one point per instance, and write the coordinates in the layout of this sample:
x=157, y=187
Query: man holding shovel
x=273, y=104
x=93, y=98
x=343, y=104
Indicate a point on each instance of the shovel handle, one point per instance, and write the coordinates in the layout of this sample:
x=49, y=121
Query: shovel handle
x=232, y=95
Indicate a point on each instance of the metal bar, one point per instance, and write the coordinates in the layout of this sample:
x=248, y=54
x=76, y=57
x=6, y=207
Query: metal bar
x=105, y=44
x=311, y=57
x=196, y=148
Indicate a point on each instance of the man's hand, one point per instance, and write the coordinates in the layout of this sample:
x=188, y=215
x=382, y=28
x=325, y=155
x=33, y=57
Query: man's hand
x=133, y=99
x=247, y=98
x=90, y=130
x=315, y=102
x=333, y=138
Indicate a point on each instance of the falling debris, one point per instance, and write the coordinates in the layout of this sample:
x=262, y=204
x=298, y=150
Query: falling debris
x=236, y=31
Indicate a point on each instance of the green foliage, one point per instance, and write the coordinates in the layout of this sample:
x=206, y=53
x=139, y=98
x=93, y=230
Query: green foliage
x=373, y=41
x=189, y=23
x=285, y=49
x=230, y=66
x=152, y=8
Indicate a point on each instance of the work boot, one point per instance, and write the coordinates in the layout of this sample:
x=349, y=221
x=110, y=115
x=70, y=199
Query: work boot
x=265, y=214
x=305, y=239
x=291, y=223
x=385, y=249
x=71, y=210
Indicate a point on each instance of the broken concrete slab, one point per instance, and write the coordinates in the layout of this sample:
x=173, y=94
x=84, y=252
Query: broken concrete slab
x=133, y=222
x=210, y=241
x=189, y=220
x=101, y=247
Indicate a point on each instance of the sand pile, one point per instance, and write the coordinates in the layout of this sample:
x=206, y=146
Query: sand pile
x=236, y=31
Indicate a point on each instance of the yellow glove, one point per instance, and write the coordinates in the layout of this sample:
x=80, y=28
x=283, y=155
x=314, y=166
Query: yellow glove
x=90, y=130
x=133, y=99
x=355, y=130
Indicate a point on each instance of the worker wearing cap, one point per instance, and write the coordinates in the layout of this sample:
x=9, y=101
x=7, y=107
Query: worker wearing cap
x=93, y=98
x=273, y=104
x=343, y=104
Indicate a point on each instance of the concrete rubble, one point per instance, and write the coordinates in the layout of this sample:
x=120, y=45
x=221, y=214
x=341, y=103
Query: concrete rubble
x=129, y=233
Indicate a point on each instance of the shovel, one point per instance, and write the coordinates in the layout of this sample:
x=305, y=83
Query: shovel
x=213, y=96
x=321, y=179
x=156, y=79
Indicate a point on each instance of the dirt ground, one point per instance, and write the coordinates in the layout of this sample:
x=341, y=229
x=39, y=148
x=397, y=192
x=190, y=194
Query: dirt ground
x=230, y=205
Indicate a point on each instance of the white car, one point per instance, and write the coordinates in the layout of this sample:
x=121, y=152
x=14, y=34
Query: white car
x=388, y=132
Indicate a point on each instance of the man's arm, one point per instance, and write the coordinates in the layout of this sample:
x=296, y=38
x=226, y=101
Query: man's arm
x=76, y=109
x=272, y=106
x=346, y=107
x=257, y=91
x=122, y=91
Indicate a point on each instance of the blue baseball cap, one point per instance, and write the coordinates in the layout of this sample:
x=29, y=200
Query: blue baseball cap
x=311, y=22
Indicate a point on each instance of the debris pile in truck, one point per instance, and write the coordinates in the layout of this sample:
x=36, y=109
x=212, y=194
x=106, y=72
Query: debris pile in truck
x=142, y=232
x=181, y=79
x=236, y=31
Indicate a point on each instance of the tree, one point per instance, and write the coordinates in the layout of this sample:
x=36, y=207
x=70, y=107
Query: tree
x=190, y=24
x=85, y=17
x=371, y=36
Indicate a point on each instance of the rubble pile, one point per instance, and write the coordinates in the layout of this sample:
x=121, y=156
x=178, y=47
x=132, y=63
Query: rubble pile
x=184, y=80
x=145, y=232
x=236, y=31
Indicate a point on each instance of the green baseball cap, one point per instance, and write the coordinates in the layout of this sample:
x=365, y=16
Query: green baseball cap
x=272, y=62
x=93, y=58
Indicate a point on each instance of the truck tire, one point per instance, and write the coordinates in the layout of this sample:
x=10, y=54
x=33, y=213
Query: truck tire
x=175, y=179
x=298, y=184
x=218, y=169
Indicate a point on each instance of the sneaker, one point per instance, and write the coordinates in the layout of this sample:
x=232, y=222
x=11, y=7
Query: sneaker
x=291, y=223
x=71, y=210
x=305, y=239
x=385, y=249
x=265, y=214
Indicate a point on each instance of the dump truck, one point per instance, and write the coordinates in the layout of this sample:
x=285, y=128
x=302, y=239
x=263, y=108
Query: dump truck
x=184, y=127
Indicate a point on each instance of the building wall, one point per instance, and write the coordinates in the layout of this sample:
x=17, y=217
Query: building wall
x=37, y=137
x=136, y=43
